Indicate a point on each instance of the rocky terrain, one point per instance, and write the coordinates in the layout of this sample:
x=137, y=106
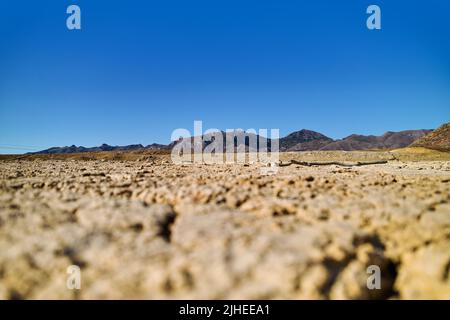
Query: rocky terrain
x=146, y=228
x=439, y=139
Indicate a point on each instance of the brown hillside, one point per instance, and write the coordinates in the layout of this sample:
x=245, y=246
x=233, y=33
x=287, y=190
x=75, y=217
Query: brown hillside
x=438, y=139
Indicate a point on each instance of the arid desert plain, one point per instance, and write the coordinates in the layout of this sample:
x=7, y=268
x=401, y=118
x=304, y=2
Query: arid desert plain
x=139, y=226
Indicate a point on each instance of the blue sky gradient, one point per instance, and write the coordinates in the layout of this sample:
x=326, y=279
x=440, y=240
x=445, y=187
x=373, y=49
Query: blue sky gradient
x=140, y=69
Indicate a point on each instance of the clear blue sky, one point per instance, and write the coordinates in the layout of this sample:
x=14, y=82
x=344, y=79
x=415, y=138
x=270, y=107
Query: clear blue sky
x=139, y=69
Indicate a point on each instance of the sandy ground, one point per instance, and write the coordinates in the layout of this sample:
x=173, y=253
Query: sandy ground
x=151, y=229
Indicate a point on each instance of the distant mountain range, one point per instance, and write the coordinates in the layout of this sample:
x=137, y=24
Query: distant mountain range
x=303, y=140
x=389, y=140
x=103, y=147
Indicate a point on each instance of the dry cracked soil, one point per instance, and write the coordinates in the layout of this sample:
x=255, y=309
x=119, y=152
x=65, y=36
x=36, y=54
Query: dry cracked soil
x=150, y=229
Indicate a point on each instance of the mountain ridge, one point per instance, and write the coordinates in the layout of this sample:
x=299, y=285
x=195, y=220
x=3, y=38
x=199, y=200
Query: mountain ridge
x=388, y=140
x=438, y=139
x=301, y=140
